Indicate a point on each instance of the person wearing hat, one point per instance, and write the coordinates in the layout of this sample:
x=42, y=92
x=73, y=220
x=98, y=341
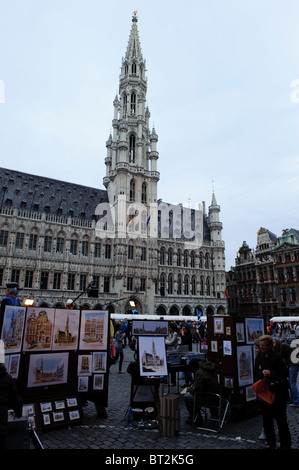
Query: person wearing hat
x=11, y=298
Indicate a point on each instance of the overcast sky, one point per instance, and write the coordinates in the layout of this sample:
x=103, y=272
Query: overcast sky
x=223, y=93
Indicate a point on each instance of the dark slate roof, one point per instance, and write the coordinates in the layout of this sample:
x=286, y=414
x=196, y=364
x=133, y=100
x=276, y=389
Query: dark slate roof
x=295, y=233
x=38, y=193
x=273, y=237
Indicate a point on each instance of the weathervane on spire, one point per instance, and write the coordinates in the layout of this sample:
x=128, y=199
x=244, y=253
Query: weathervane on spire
x=134, y=17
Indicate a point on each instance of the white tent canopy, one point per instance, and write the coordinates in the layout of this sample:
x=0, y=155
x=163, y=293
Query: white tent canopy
x=289, y=319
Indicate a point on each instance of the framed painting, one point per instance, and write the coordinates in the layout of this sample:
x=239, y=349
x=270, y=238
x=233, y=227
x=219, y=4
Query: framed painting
x=152, y=356
x=99, y=362
x=218, y=325
x=254, y=328
x=12, y=328
x=245, y=366
x=66, y=329
x=98, y=381
x=94, y=330
x=47, y=369
x=240, y=333
x=149, y=327
x=84, y=364
x=38, y=329
x=14, y=364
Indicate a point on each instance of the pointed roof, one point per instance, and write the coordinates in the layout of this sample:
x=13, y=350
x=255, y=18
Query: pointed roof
x=214, y=202
x=134, y=47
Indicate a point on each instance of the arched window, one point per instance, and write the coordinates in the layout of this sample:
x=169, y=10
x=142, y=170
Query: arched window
x=162, y=284
x=208, y=286
x=186, y=285
x=201, y=291
x=185, y=258
x=170, y=256
x=132, y=148
x=133, y=103
x=170, y=284
x=193, y=285
x=144, y=193
x=192, y=260
x=132, y=190
x=179, y=256
x=179, y=284
x=125, y=101
x=134, y=68
x=207, y=261
x=162, y=255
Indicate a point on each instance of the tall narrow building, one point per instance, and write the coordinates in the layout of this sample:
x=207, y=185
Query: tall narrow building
x=56, y=237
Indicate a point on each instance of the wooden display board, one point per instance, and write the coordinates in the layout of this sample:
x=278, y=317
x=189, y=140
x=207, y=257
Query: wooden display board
x=58, y=358
x=231, y=348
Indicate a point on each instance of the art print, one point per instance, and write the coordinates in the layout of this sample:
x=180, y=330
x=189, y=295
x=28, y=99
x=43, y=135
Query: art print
x=66, y=329
x=98, y=382
x=14, y=364
x=227, y=348
x=74, y=415
x=245, y=367
x=94, y=330
x=229, y=382
x=254, y=329
x=149, y=327
x=240, y=333
x=84, y=364
x=152, y=356
x=59, y=405
x=82, y=384
x=99, y=362
x=58, y=416
x=218, y=325
x=47, y=406
x=39, y=329
x=12, y=328
x=71, y=401
x=47, y=369
x=46, y=419
x=28, y=410
x=250, y=394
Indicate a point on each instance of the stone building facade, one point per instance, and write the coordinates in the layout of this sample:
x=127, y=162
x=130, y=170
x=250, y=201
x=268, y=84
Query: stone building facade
x=57, y=237
x=265, y=281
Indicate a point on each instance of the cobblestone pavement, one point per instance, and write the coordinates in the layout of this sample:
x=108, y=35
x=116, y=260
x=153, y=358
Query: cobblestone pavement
x=113, y=432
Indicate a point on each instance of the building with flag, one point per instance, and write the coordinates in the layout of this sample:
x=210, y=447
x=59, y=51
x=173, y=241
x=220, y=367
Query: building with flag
x=57, y=237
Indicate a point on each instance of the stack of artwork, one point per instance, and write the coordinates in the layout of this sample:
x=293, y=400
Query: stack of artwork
x=45, y=339
x=231, y=348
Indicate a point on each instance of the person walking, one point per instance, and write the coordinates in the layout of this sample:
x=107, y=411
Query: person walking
x=118, y=346
x=270, y=365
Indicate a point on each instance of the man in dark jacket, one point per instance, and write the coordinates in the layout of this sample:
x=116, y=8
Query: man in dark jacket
x=205, y=380
x=271, y=365
x=9, y=399
x=11, y=298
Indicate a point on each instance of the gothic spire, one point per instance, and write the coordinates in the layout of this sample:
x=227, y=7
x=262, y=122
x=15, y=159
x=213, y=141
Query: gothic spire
x=134, y=48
